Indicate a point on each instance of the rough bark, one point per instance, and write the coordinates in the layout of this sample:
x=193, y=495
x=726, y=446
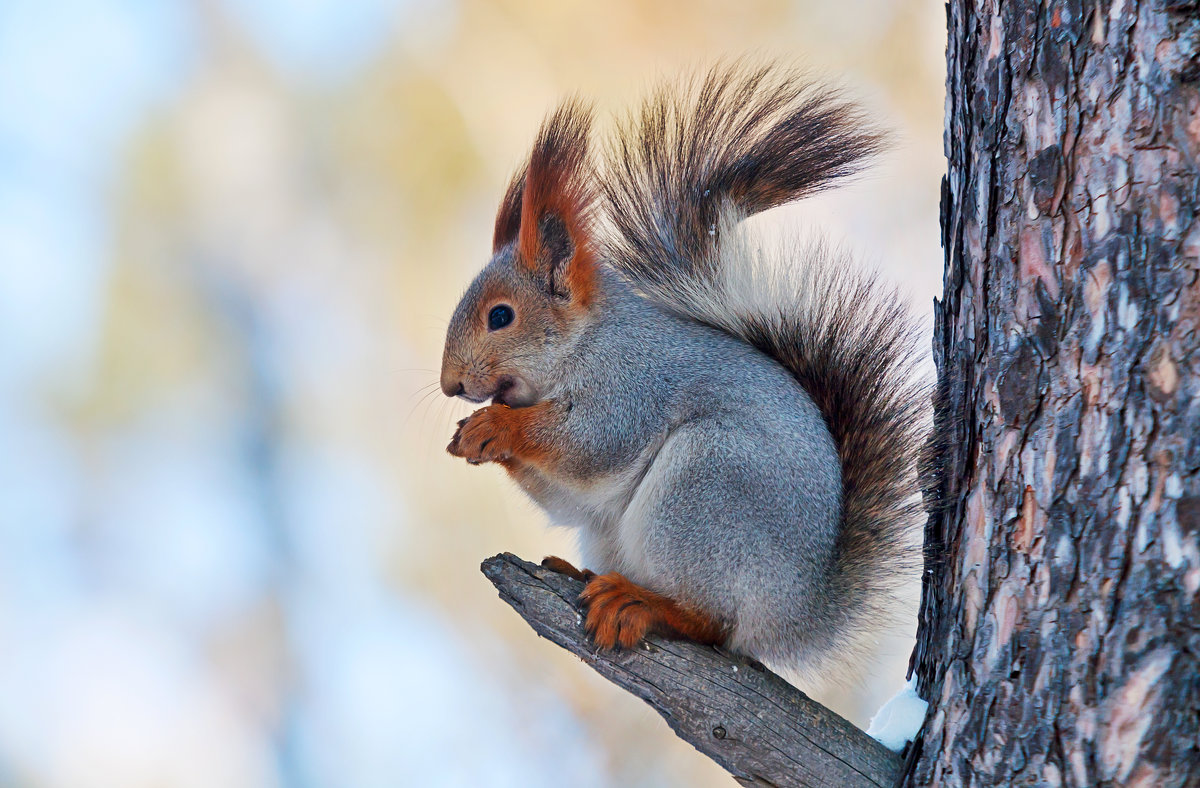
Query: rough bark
x=1060, y=625
x=753, y=723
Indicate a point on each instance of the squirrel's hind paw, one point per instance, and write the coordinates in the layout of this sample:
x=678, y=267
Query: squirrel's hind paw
x=621, y=613
x=563, y=567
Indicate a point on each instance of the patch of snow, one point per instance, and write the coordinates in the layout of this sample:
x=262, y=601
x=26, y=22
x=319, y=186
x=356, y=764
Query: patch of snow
x=898, y=720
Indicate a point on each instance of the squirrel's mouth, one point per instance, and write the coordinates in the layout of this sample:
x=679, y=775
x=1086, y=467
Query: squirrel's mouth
x=513, y=392
x=502, y=390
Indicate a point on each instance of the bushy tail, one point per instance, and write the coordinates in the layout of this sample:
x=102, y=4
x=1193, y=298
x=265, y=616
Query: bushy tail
x=738, y=137
x=683, y=175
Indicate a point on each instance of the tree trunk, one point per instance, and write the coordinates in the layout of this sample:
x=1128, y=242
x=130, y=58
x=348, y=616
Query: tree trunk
x=1060, y=622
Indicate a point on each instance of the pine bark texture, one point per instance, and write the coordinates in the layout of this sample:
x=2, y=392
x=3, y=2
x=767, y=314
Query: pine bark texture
x=1060, y=624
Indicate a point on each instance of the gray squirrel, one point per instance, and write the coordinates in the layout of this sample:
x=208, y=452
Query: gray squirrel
x=732, y=425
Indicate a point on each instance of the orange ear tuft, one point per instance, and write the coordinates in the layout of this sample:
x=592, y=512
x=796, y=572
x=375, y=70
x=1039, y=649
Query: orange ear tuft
x=554, y=239
x=508, y=218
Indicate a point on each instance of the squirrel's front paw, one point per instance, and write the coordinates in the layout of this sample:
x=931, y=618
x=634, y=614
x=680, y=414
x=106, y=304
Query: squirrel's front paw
x=483, y=436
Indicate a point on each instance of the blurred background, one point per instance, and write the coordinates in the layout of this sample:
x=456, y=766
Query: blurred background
x=232, y=549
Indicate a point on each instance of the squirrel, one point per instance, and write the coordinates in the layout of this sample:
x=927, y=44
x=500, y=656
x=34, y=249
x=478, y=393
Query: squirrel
x=734, y=427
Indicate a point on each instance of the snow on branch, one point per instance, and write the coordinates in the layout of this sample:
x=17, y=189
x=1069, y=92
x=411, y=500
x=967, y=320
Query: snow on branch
x=764, y=731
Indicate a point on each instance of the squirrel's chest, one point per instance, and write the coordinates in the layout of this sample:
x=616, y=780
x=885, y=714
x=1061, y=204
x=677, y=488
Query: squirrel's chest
x=595, y=502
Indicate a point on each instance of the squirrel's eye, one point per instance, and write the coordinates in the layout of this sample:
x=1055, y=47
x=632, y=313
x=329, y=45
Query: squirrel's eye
x=500, y=316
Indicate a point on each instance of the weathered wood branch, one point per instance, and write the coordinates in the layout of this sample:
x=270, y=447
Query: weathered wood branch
x=764, y=731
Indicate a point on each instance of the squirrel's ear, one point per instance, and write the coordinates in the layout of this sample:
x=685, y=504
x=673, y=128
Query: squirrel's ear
x=553, y=239
x=508, y=218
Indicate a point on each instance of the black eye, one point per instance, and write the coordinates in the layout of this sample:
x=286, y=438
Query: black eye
x=500, y=316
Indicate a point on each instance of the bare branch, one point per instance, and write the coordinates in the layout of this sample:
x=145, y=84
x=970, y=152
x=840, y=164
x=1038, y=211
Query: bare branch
x=761, y=729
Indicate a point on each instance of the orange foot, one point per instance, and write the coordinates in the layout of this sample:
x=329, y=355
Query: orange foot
x=621, y=613
x=556, y=564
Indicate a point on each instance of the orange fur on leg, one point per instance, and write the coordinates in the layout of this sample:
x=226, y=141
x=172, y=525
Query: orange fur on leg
x=621, y=612
x=502, y=434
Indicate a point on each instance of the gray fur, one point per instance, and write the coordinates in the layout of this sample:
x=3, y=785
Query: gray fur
x=743, y=421
x=699, y=468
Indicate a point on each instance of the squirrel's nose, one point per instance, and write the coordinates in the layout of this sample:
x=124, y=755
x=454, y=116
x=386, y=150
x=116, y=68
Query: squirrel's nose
x=451, y=387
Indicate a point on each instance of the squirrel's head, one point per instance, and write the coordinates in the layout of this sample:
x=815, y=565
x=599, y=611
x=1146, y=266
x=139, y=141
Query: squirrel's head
x=515, y=326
